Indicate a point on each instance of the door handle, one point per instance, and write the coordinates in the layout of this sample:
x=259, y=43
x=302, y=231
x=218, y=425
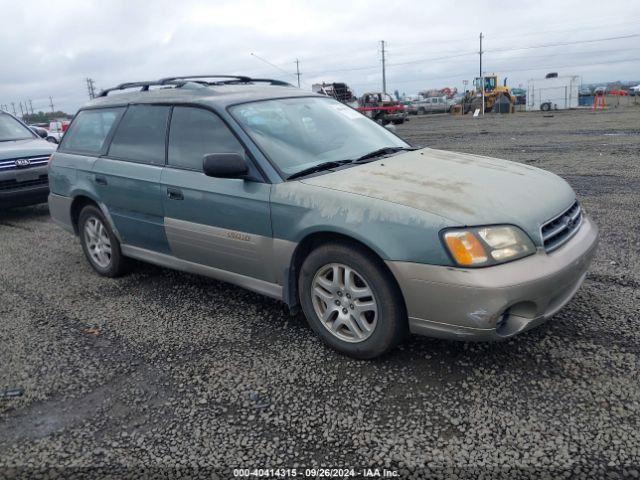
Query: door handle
x=100, y=180
x=175, y=194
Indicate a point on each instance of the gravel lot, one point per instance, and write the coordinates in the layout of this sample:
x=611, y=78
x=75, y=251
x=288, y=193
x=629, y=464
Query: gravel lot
x=182, y=375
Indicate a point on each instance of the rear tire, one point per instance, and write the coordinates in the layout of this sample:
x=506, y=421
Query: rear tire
x=350, y=301
x=100, y=245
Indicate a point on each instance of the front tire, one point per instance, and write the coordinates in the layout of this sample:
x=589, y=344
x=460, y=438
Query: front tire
x=351, y=301
x=100, y=245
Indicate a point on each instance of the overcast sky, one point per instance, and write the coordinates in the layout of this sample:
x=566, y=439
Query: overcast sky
x=49, y=48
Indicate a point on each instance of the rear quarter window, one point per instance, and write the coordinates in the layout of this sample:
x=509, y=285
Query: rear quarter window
x=89, y=130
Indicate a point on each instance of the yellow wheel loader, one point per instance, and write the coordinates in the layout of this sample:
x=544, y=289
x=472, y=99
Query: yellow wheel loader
x=497, y=98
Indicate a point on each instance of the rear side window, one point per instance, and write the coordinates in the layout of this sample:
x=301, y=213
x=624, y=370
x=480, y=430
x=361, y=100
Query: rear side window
x=89, y=130
x=194, y=133
x=141, y=134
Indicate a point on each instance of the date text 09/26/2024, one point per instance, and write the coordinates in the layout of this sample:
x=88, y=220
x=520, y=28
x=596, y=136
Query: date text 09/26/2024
x=314, y=473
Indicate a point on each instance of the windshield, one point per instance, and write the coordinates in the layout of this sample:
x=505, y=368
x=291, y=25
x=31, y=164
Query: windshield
x=298, y=133
x=11, y=129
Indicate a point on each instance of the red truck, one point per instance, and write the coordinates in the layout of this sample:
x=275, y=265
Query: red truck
x=382, y=108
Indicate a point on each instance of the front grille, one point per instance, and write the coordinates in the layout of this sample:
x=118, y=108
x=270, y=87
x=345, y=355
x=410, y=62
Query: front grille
x=13, y=163
x=559, y=230
x=15, y=185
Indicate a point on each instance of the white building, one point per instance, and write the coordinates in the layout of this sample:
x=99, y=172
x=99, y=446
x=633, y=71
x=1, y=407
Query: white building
x=553, y=93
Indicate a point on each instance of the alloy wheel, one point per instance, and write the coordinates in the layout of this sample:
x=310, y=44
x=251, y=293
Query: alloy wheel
x=344, y=302
x=97, y=241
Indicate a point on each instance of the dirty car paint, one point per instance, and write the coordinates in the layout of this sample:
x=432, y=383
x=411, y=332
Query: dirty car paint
x=394, y=232
x=461, y=188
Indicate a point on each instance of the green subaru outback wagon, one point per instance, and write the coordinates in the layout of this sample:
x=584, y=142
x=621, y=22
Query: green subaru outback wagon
x=303, y=199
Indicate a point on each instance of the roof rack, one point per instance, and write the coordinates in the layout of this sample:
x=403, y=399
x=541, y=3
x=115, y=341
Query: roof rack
x=200, y=79
x=236, y=78
x=123, y=86
x=233, y=79
x=271, y=81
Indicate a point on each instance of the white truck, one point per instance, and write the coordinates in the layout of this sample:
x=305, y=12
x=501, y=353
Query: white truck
x=440, y=104
x=55, y=132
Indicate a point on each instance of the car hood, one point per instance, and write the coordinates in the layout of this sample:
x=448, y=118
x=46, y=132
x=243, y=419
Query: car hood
x=25, y=148
x=463, y=188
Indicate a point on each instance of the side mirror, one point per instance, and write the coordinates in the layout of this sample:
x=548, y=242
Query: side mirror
x=225, y=165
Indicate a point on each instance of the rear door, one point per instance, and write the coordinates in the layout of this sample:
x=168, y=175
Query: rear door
x=128, y=176
x=219, y=222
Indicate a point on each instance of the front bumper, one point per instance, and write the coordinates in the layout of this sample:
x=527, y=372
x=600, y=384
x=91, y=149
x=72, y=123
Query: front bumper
x=19, y=188
x=494, y=302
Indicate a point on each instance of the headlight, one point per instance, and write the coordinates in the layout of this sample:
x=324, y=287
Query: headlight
x=482, y=246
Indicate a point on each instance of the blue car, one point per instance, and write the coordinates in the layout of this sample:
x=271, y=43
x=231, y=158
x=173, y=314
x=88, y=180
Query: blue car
x=302, y=198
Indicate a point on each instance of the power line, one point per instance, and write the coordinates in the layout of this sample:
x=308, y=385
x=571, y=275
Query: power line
x=272, y=64
x=601, y=23
x=464, y=54
x=393, y=64
x=542, y=67
x=562, y=44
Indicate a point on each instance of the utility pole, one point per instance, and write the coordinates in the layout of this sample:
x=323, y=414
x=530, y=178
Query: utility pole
x=384, y=72
x=13, y=106
x=91, y=88
x=51, y=104
x=298, y=71
x=481, y=74
x=31, y=106
x=21, y=111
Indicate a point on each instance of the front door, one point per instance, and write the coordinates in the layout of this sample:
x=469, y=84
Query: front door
x=218, y=222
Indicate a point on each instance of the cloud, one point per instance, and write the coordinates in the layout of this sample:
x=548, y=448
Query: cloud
x=49, y=50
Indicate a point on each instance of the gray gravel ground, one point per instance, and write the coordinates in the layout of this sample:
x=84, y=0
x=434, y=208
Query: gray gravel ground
x=176, y=375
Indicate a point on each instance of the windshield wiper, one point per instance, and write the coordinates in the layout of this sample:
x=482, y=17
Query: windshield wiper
x=318, y=168
x=384, y=151
x=337, y=163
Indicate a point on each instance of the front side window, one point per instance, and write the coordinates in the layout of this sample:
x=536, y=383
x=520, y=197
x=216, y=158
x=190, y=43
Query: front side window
x=141, y=134
x=299, y=133
x=12, y=129
x=89, y=130
x=194, y=133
